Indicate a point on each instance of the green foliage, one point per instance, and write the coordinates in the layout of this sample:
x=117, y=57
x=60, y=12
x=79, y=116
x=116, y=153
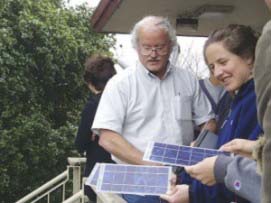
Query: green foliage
x=43, y=46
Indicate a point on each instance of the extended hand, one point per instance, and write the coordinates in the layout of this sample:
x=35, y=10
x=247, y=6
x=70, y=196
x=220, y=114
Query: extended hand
x=240, y=146
x=203, y=171
x=178, y=194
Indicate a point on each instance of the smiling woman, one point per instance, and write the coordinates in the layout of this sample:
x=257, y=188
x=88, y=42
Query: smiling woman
x=229, y=52
x=231, y=70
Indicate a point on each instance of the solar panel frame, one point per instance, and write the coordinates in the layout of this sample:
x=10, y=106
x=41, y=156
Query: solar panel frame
x=178, y=155
x=131, y=179
x=94, y=175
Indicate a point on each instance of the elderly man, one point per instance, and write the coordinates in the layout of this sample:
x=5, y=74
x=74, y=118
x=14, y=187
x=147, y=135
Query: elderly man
x=153, y=101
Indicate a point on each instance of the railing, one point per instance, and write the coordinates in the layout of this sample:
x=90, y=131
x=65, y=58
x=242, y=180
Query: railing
x=58, y=182
x=61, y=180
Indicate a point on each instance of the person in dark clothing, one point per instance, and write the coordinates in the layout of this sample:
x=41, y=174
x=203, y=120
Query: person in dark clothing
x=98, y=70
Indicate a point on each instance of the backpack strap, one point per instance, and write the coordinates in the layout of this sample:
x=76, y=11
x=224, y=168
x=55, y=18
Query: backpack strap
x=205, y=90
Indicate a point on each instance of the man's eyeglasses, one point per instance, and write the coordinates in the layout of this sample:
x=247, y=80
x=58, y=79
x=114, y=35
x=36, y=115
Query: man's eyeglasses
x=160, y=50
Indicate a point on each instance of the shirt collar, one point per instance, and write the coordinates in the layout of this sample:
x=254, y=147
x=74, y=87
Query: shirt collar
x=246, y=88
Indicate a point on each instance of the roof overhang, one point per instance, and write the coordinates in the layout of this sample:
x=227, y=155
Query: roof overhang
x=191, y=18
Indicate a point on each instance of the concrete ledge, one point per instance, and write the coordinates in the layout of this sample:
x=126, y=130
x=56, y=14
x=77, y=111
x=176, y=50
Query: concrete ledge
x=75, y=161
x=103, y=197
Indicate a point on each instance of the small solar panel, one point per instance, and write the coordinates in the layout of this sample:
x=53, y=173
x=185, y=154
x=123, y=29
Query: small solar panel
x=130, y=179
x=178, y=155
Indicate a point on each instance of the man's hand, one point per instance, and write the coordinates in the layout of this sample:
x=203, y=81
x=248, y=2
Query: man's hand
x=203, y=171
x=209, y=125
x=178, y=194
x=240, y=146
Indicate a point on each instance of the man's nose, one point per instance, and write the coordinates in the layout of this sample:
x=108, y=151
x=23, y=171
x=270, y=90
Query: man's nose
x=154, y=53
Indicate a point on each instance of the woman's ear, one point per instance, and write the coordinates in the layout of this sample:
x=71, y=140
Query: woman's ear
x=250, y=61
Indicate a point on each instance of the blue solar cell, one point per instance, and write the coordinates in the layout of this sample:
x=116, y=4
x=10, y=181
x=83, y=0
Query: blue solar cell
x=106, y=186
x=169, y=160
x=118, y=187
x=156, y=158
x=158, y=151
x=108, y=178
x=171, y=153
x=148, y=189
x=133, y=189
x=119, y=178
x=130, y=169
x=182, y=162
x=183, y=155
x=159, y=180
x=197, y=156
x=160, y=190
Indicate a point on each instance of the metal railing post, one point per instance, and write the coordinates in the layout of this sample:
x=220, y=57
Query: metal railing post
x=76, y=165
x=76, y=180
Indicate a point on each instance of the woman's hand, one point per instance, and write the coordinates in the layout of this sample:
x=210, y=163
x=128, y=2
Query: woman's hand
x=242, y=147
x=203, y=171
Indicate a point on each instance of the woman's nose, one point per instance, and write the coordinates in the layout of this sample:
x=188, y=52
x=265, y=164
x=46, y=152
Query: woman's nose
x=217, y=72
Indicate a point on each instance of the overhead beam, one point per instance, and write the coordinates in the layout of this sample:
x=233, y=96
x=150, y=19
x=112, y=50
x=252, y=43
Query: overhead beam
x=103, y=12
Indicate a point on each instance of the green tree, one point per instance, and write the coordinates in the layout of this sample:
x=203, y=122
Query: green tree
x=43, y=46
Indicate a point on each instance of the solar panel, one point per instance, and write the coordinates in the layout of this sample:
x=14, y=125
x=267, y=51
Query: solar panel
x=178, y=155
x=130, y=179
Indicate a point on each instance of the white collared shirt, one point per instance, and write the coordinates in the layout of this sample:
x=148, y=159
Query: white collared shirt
x=140, y=107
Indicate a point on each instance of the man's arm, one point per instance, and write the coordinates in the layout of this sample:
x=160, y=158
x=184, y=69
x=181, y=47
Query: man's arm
x=209, y=125
x=119, y=147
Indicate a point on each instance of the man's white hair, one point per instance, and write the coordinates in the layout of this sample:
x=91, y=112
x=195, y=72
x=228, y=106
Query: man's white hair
x=160, y=22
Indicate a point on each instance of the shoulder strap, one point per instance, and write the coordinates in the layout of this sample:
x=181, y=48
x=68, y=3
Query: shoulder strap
x=225, y=101
x=205, y=90
x=223, y=108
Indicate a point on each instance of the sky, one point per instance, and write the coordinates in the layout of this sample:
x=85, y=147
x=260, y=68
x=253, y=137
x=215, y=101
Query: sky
x=191, y=47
